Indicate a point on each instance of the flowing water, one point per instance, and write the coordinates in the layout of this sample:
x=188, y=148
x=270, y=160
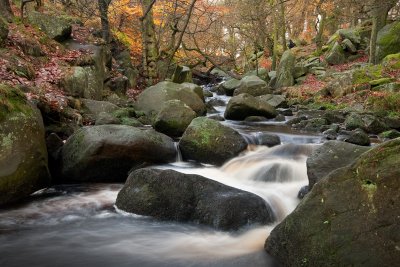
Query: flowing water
x=78, y=225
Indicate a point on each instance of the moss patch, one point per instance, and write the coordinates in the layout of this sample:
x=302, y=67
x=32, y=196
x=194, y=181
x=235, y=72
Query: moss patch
x=367, y=74
x=11, y=100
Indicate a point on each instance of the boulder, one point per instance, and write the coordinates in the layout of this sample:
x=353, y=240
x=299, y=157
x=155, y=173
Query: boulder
x=151, y=99
x=285, y=70
x=106, y=153
x=352, y=35
x=119, y=85
x=230, y=86
x=23, y=153
x=329, y=157
x=336, y=55
x=266, y=139
x=58, y=28
x=357, y=137
x=94, y=107
x=106, y=118
x=339, y=86
x=368, y=123
x=262, y=73
x=252, y=85
x=174, y=118
x=195, y=88
x=182, y=74
x=349, y=46
x=391, y=134
x=277, y=101
x=350, y=218
x=208, y=141
x=392, y=61
x=245, y=105
x=3, y=32
x=170, y=195
x=388, y=40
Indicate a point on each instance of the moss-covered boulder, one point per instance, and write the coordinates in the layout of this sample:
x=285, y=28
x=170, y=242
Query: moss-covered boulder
x=392, y=61
x=106, y=153
x=58, y=28
x=336, y=55
x=182, y=74
x=261, y=73
x=252, y=85
x=367, y=122
x=350, y=218
x=245, y=105
x=208, y=141
x=174, y=118
x=351, y=34
x=277, y=101
x=388, y=40
x=3, y=32
x=285, y=70
x=367, y=73
x=170, y=195
x=23, y=153
x=151, y=99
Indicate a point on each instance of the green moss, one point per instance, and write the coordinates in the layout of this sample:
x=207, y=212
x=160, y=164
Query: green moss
x=11, y=100
x=392, y=61
x=123, y=38
x=386, y=104
x=380, y=81
x=367, y=74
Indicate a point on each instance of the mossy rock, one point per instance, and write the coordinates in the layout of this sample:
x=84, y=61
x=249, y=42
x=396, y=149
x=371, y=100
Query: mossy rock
x=391, y=134
x=182, y=74
x=23, y=157
x=350, y=217
x=58, y=28
x=336, y=55
x=285, y=70
x=230, y=86
x=208, y=141
x=367, y=74
x=380, y=81
x=388, y=40
x=392, y=61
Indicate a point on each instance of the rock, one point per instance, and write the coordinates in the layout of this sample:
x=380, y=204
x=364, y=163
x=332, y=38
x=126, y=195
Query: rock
x=368, y=123
x=285, y=70
x=299, y=71
x=350, y=218
x=151, y=99
x=119, y=85
x=174, y=118
x=388, y=40
x=262, y=74
x=392, y=61
x=277, y=101
x=74, y=81
x=207, y=93
x=23, y=153
x=106, y=153
x=339, y=86
x=245, y=105
x=206, y=140
x=347, y=45
x=350, y=34
x=216, y=117
x=30, y=47
x=95, y=107
x=336, y=55
x=194, y=88
x=58, y=28
x=123, y=59
x=380, y=81
x=330, y=134
x=329, y=157
x=315, y=124
x=230, y=86
x=182, y=74
x=3, y=32
x=266, y=139
x=106, y=118
x=357, y=137
x=280, y=117
x=255, y=119
x=219, y=72
x=391, y=134
x=131, y=122
x=303, y=192
x=252, y=85
x=170, y=195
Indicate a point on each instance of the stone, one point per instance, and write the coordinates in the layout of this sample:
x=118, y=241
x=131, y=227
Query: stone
x=252, y=85
x=357, y=137
x=106, y=153
x=94, y=107
x=230, y=86
x=106, y=118
x=208, y=141
x=277, y=101
x=3, y=32
x=331, y=156
x=388, y=40
x=151, y=99
x=174, y=118
x=58, y=28
x=391, y=134
x=349, y=218
x=23, y=153
x=336, y=55
x=262, y=74
x=245, y=105
x=285, y=70
x=368, y=123
x=182, y=74
x=267, y=139
x=350, y=34
x=119, y=85
x=174, y=196
x=348, y=46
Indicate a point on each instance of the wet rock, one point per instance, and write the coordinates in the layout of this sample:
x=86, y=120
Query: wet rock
x=349, y=218
x=255, y=119
x=23, y=153
x=280, y=117
x=245, y=105
x=303, y=192
x=330, y=134
x=106, y=153
x=216, y=117
x=262, y=73
x=206, y=140
x=357, y=137
x=330, y=156
x=170, y=195
x=174, y=118
x=266, y=139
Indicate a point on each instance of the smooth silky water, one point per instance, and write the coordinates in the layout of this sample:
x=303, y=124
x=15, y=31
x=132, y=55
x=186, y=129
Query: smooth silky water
x=78, y=225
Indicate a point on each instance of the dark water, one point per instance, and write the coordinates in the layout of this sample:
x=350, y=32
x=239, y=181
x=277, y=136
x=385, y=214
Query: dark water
x=78, y=225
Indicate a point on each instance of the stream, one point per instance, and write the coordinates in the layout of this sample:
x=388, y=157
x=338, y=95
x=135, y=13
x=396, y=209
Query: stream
x=78, y=225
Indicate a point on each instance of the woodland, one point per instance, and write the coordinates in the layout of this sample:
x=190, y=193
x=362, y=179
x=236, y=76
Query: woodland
x=199, y=133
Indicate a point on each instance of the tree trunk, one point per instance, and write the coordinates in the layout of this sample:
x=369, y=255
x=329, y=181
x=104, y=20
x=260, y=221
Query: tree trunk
x=283, y=25
x=105, y=25
x=321, y=27
x=150, y=49
x=5, y=10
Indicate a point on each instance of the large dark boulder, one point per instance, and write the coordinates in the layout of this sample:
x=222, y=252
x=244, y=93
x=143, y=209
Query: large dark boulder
x=106, y=153
x=170, y=195
x=330, y=156
x=285, y=70
x=151, y=99
x=58, y=28
x=388, y=40
x=174, y=118
x=350, y=218
x=209, y=141
x=23, y=153
x=245, y=105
